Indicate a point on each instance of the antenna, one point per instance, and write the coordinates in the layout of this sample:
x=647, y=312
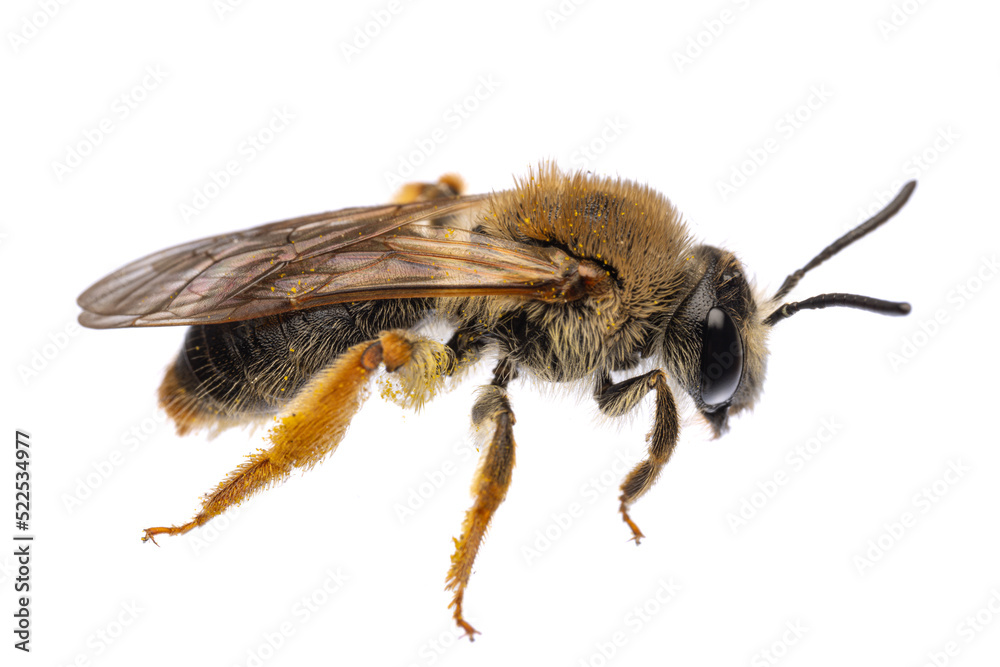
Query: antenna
x=847, y=239
x=838, y=299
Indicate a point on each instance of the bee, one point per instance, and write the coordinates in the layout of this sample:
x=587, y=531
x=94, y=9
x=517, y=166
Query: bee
x=567, y=277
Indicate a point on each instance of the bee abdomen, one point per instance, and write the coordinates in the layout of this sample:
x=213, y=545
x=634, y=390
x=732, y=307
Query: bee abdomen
x=233, y=372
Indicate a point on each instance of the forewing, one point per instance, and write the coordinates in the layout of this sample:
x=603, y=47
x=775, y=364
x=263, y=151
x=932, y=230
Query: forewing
x=381, y=252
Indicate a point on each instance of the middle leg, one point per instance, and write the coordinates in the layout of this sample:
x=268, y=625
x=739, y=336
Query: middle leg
x=491, y=411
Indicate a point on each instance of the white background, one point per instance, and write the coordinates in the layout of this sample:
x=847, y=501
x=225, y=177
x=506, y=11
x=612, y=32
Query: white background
x=605, y=77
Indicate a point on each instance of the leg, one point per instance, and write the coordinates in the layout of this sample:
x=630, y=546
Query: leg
x=317, y=418
x=491, y=410
x=618, y=399
x=449, y=185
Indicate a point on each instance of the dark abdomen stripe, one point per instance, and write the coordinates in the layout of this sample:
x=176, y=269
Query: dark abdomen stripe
x=256, y=366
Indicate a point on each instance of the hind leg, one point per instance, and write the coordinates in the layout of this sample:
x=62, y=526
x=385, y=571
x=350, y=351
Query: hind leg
x=316, y=420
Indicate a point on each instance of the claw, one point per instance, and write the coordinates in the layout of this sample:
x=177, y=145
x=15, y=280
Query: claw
x=470, y=631
x=150, y=533
x=636, y=533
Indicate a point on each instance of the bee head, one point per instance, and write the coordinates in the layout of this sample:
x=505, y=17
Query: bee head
x=716, y=342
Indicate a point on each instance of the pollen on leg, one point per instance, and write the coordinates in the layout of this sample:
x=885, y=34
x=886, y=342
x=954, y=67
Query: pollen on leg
x=313, y=426
x=317, y=419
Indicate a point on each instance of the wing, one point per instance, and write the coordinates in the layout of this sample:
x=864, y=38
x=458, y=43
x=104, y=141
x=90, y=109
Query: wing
x=381, y=252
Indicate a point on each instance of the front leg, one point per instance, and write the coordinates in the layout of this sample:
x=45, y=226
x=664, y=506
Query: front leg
x=617, y=399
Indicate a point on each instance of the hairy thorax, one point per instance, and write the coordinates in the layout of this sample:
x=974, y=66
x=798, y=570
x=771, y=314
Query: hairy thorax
x=631, y=233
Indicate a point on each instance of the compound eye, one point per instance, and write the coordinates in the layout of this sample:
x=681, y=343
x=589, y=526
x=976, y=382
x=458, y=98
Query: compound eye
x=721, y=358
